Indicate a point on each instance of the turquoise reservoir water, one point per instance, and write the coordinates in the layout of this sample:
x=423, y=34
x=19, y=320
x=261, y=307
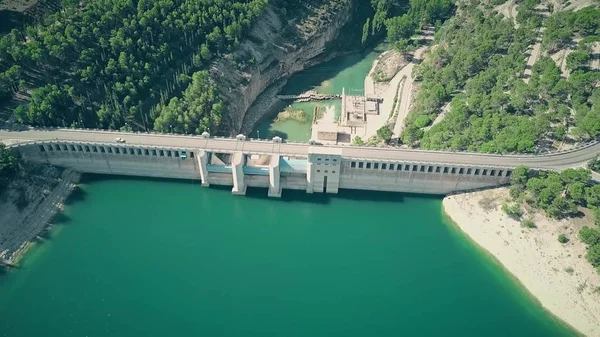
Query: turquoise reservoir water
x=346, y=71
x=163, y=258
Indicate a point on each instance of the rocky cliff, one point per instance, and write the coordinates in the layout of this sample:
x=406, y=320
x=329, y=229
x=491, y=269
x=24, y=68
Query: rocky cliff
x=276, y=48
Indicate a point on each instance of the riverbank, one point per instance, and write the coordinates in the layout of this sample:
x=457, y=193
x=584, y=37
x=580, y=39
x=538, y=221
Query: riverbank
x=45, y=192
x=557, y=274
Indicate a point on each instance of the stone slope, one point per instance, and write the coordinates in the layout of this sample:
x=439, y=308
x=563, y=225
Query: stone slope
x=274, y=50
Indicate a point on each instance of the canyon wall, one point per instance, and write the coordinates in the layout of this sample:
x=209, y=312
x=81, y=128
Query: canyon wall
x=275, y=49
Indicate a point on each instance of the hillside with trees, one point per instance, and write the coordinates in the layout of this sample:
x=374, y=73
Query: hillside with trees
x=116, y=63
x=10, y=165
x=477, y=67
x=398, y=27
x=561, y=195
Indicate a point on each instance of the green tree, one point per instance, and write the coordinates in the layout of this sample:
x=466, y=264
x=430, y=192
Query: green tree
x=590, y=236
x=578, y=59
x=519, y=176
x=365, y=32
x=593, y=196
x=358, y=141
x=49, y=105
x=577, y=192
x=561, y=208
x=594, y=164
x=122, y=61
x=400, y=28
x=593, y=255
x=9, y=166
x=385, y=133
x=200, y=109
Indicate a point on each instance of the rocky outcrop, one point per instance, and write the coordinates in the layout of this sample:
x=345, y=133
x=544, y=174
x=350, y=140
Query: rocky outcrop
x=275, y=49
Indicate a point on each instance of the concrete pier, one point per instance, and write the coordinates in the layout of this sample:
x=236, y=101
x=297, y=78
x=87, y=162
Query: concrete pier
x=274, y=177
x=237, y=169
x=202, y=162
x=324, y=169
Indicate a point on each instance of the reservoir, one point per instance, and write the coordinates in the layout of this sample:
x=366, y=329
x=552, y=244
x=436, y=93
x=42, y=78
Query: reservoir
x=133, y=257
x=162, y=258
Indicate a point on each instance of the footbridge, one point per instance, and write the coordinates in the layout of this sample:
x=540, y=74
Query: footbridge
x=277, y=165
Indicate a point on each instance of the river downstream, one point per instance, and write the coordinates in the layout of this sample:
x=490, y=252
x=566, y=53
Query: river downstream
x=134, y=257
x=347, y=72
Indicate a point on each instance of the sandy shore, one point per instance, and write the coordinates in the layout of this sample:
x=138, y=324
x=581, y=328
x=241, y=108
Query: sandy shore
x=556, y=274
x=19, y=227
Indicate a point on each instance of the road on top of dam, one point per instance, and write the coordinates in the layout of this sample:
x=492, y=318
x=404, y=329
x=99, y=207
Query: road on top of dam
x=555, y=161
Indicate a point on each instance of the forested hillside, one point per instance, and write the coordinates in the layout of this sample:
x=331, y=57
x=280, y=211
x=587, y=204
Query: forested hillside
x=111, y=63
x=400, y=28
x=478, y=65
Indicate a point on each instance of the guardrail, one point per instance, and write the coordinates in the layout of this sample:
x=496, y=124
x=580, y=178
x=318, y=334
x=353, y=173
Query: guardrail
x=308, y=143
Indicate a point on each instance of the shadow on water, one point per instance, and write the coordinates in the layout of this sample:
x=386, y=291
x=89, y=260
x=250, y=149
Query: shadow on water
x=313, y=77
x=89, y=178
x=323, y=198
x=60, y=219
x=270, y=133
x=261, y=193
x=76, y=195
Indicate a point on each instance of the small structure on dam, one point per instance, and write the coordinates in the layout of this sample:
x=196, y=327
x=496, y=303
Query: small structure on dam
x=357, y=111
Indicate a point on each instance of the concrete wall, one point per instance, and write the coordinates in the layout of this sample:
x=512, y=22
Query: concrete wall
x=327, y=171
x=324, y=171
x=104, y=159
x=419, y=177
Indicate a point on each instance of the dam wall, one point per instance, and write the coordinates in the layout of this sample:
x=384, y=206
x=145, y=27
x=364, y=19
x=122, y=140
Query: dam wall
x=321, y=170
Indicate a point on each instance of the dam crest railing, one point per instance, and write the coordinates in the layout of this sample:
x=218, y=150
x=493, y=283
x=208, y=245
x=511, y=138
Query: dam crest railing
x=306, y=143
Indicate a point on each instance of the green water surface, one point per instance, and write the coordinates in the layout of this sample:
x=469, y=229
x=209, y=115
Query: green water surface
x=161, y=258
x=347, y=71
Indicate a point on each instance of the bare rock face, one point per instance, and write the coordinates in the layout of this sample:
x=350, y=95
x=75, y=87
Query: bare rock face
x=274, y=50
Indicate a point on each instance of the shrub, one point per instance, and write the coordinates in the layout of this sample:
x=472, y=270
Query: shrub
x=358, y=141
x=569, y=270
x=594, y=164
x=513, y=210
x=563, y=238
x=593, y=255
x=590, y=236
x=528, y=223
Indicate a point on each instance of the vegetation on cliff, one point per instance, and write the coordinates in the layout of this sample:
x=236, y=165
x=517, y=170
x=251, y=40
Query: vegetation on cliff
x=560, y=195
x=10, y=165
x=112, y=63
x=478, y=68
x=594, y=165
x=400, y=28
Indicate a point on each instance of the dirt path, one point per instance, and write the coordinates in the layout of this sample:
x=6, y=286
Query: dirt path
x=560, y=58
x=509, y=10
x=369, y=82
x=596, y=56
x=535, y=53
x=404, y=97
x=440, y=117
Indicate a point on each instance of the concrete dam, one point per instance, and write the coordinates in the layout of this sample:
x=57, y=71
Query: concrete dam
x=276, y=165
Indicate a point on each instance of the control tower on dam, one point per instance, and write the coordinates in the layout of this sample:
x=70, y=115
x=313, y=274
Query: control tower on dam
x=275, y=165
